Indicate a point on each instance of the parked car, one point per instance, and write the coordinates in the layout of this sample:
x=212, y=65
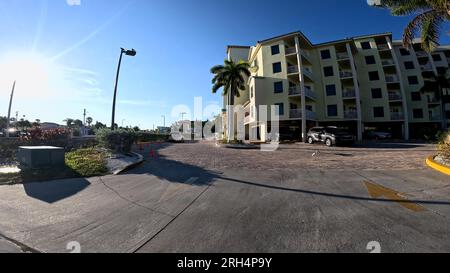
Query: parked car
x=330, y=136
x=378, y=135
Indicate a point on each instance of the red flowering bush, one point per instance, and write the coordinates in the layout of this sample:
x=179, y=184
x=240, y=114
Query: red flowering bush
x=47, y=135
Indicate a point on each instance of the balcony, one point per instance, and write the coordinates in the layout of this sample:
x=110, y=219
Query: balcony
x=435, y=118
x=395, y=96
x=292, y=69
x=346, y=74
x=387, y=62
x=383, y=47
x=350, y=115
x=295, y=114
x=342, y=55
x=309, y=93
x=291, y=50
x=397, y=116
x=308, y=72
x=349, y=93
x=294, y=91
x=392, y=79
x=426, y=67
x=421, y=54
x=306, y=55
x=433, y=100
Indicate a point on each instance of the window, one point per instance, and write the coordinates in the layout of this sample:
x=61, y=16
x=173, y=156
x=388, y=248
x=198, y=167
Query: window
x=418, y=113
x=309, y=108
x=276, y=67
x=378, y=112
x=332, y=110
x=325, y=54
x=441, y=70
x=331, y=90
x=275, y=49
x=447, y=114
x=377, y=93
x=415, y=96
x=280, y=109
x=437, y=57
x=413, y=80
x=278, y=87
x=409, y=65
x=373, y=76
x=328, y=71
x=370, y=60
x=404, y=52
x=366, y=45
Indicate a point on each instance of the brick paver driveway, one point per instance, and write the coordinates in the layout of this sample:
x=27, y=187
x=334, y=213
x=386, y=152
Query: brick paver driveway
x=300, y=156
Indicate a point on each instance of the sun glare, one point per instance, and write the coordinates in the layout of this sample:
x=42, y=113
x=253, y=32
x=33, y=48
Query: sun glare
x=30, y=71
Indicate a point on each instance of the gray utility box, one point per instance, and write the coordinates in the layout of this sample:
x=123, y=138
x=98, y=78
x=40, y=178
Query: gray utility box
x=40, y=156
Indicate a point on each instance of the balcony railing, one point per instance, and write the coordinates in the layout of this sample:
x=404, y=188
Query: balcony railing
x=392, y=79
x=421, y=54
x=342, y=55
x=388, y=62
x=383, y=47
x=349, y=93
x=310, y=93
x=346, y=74
x=291, y=50
x=350, y=115
x=295, y=113
x=433, y=100
x=310, y=115
x=397, y=116
x=426, y=67
x=294, y=90
x=393, y=96
x=435, y=118
x=308, y=72
x=292, y=69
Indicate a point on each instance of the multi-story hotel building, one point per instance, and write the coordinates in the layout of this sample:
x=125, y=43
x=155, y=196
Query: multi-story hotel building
x=360, y=83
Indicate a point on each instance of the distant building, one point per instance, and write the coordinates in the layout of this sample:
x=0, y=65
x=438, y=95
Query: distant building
x=164, y=130
x=49, y=125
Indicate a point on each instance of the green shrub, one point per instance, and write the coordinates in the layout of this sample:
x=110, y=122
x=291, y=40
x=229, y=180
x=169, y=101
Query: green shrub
x=444, y=146
x=120, y=141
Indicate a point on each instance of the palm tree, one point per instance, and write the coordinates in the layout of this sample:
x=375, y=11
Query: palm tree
x=430, y=15
x=69, y=122
x=89, y=121
x=230, y=77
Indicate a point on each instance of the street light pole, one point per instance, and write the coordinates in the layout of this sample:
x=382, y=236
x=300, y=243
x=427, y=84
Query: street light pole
x=128, y=53
x=9, y=109
x=164, y=117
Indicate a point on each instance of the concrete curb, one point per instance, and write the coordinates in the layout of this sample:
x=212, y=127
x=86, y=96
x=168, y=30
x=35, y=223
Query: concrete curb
x=139, y=161
x=437, y=166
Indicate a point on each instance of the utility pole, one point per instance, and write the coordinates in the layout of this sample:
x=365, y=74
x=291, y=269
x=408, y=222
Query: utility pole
x=9, y=109
x=182, y=116
x=164, y=117
x=84, y=117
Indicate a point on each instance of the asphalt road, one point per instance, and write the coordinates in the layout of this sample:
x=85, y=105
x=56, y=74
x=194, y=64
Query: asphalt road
x=166, y=205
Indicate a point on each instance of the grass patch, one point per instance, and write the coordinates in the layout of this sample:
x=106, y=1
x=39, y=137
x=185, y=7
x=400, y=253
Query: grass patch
x=79, y=163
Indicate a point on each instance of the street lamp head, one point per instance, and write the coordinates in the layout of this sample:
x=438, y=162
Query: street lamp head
x=131, y=53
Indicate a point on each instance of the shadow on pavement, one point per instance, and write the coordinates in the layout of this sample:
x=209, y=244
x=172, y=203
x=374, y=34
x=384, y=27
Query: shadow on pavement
x=170, y=170
x=54, y=191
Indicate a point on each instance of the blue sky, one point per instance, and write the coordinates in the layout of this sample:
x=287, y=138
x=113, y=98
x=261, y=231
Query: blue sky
x=64, y=57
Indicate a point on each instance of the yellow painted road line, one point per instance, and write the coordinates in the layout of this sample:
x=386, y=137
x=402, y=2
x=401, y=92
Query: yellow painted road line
x=438, y=167
x=377, y=191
